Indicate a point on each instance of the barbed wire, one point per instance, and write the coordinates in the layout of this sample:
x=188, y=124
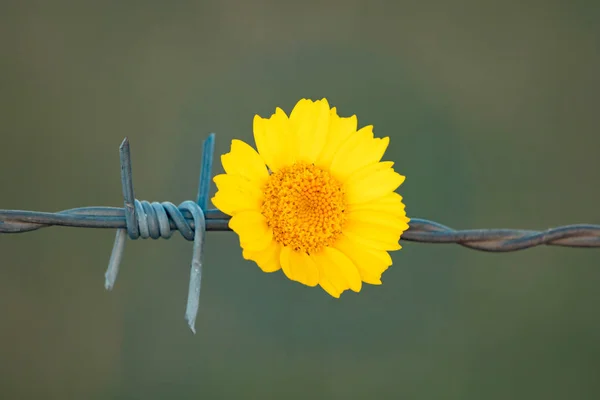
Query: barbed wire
x=143, y=219
x=420, y=230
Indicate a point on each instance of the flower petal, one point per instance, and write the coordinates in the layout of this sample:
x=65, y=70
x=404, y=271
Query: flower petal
x=266, y=148
x=340, y=130
x=267, y=259
x=387, y=237
x=332, y=284
x=370, y=263
x=299, y=267
x=368, y=170
x=390, y=203
x=310, y=123
x=373, y=186
x=235, y=193
x=274, y=140
x=329, y=287
x=336, y=271
x=251, y=226
x=382, y=220
x=243, y=160
x=360, y=150
x=364, y=239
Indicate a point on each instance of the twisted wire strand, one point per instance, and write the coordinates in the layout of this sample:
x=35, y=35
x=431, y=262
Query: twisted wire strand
x=155, y=217
x=154, y=220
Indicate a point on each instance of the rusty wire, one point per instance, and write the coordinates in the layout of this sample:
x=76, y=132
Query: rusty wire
x=142, y=219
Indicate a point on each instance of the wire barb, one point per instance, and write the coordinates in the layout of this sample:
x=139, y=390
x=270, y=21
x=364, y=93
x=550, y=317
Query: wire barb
x=151, y=220
x=142, y=219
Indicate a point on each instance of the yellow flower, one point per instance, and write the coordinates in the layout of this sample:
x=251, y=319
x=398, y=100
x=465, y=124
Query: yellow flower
x=315, y=200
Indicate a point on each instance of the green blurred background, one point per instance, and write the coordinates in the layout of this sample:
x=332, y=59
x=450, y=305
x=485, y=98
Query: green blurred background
x=492, y=108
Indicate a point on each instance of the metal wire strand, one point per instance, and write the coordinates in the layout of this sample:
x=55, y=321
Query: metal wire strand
x=420, y=230
x=154, y=220
x=503, y=240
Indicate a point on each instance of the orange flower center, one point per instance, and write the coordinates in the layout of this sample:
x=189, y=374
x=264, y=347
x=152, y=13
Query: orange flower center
x=304, y=205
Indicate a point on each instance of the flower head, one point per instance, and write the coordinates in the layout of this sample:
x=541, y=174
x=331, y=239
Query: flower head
x=315, y=200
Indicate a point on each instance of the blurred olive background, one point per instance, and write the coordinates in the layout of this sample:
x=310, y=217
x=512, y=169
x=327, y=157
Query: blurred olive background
x=492, y=108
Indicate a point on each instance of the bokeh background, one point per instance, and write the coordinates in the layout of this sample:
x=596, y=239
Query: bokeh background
x=492, y=108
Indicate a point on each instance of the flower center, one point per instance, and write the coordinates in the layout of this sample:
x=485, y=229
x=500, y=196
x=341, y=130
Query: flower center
x=304, y=205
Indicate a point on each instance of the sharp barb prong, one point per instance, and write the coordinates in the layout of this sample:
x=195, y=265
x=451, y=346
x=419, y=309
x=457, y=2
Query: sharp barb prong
x=193, y=301
x=208, y=150
x=128, y=194
x=115, y=259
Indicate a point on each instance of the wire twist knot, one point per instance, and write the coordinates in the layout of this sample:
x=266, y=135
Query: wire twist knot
x=153, y=220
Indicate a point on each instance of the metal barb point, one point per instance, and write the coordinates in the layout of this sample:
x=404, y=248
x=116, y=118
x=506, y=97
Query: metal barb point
x=115, y=259
x=208, y=150
x=130, y=217
x=151, y=220
x=193, y=301
x=128, y=193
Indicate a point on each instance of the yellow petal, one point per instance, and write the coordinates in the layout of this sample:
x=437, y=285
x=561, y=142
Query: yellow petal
x=391, y=204
x=336, y=271
x=373, y=186
x=368, y=170
x=231, y=205
x=299, y=267
x=368, y=241
x=243, y=160
x=251, y=226
x=370, y=263
x=329, y=287
x=265, y=147
x=236, y=194
x=340, y=130
x=227, y=182
x=332, y=284
x=382, y=220
x=267, y=259
x=310, y=123
x=274, y=140
x=360, y=150
x=386, y=235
